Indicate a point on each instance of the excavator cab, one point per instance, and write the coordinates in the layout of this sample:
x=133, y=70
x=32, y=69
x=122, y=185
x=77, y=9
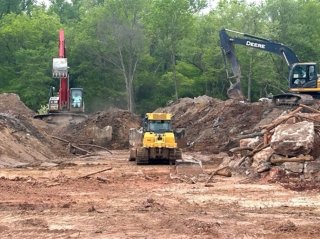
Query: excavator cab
x=303, y=75
x=76, y=102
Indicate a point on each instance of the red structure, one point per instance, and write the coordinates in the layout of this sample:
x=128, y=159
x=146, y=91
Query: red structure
x=64, y=80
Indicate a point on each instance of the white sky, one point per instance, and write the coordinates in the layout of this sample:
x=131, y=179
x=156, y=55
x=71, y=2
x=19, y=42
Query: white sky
x=212, y=3
x=47, y=2
x=43, y=1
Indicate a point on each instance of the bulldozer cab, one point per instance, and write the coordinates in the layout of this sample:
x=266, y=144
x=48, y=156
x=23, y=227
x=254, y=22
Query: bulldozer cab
x=159, y=126
x=157, y=123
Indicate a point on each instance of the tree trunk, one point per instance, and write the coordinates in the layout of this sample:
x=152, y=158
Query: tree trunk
x=173, y=57
x=130, y=95
x=128, y=71
x=250, y=78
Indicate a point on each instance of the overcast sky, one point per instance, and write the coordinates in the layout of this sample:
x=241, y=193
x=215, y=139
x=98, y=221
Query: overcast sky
x=211, y=3
x=43, y=1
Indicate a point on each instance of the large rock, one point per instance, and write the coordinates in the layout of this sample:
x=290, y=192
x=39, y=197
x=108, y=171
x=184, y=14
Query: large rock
x=99, y=135
x=249, y=142
x=277, y=173
x=293, y=139
x=262, y=156
x=312, y=167
x=315, y=152
x=294, y=167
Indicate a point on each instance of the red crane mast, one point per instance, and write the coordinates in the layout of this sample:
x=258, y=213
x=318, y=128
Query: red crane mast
x=64, y=80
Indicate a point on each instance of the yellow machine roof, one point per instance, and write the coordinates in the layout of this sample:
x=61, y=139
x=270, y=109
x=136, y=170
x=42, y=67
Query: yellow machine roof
x=158, y=116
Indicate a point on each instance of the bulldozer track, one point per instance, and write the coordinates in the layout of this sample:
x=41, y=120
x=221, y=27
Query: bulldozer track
x=174, y=155
x=142, y=157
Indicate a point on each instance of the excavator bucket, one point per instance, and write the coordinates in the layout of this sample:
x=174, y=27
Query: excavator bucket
x=234, y=91
x=59, y=67
x=229, y=55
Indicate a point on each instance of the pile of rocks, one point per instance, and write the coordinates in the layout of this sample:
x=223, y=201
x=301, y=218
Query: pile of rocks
x=289, y=145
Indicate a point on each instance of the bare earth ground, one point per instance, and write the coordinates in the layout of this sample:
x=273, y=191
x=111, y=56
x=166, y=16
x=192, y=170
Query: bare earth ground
x=132, y=201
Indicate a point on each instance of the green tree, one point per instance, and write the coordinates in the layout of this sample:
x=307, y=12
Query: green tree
x=15, y=6
x=121, y=30
x=27, y=45
x=67, y=11
x=169, y=23
x=113, y=33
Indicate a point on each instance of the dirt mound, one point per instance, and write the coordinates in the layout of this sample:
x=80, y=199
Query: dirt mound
x=11, y=104
x=95, y=129
x=21, y=143
x=211, y=124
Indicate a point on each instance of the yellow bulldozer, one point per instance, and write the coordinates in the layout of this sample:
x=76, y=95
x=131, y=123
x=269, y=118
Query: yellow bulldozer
x=155, y=142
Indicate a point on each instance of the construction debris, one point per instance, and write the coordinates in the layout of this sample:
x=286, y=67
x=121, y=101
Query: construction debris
x=288, y=142
x=255, y=135
x=293, y=139
x=94, y=173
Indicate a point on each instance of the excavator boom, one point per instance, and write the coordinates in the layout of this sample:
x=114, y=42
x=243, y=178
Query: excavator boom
x=302, y=76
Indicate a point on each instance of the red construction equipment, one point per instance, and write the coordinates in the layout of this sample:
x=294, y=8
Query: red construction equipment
x=68, y=101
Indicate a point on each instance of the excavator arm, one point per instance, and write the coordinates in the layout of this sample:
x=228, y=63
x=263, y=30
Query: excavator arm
x=227, y=46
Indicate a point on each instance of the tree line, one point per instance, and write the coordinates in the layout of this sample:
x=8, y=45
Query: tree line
x=142, y=54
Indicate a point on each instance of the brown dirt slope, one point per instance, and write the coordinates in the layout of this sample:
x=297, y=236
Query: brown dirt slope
x=21, y=141
x=11, y=104
x=120, y=120
x=211, y=123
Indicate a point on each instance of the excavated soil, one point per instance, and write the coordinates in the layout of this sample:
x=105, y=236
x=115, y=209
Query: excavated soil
x=130, y=201
x=21, y=141
x=45, y=194
x=11, y=104
x=212, y=124
x=120, y=121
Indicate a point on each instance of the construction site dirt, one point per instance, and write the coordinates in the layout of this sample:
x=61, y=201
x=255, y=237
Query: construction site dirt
x=75, y=180
x=130, y=201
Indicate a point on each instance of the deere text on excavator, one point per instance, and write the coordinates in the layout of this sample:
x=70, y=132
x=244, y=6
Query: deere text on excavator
x=156, y=142
x=304, y=83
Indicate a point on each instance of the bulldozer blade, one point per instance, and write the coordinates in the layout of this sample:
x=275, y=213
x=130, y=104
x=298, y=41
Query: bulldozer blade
x=188, y=167
x=135, y=137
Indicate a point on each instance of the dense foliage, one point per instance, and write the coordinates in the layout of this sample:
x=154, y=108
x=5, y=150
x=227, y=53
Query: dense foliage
x=141, y=54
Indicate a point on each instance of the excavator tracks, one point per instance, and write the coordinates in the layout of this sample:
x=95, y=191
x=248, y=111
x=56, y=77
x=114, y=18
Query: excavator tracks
x=290, y=99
